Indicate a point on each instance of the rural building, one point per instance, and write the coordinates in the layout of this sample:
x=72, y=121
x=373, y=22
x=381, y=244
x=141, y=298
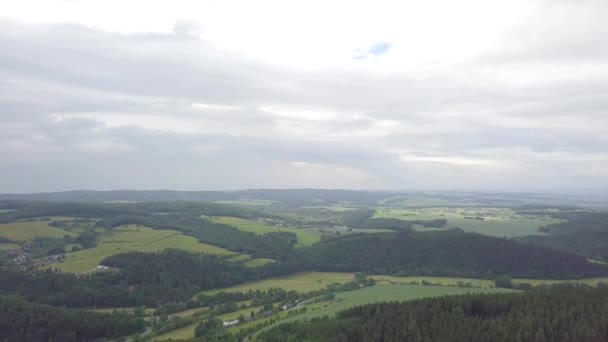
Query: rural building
x=228, y=324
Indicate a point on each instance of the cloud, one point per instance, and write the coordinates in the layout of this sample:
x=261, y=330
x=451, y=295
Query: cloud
x=375, y=50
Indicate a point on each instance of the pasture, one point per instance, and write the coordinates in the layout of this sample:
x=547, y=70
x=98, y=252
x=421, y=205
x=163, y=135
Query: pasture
x=496, y=222
x=28, y=230
x=133, y=239
x=301, y=282
x=305, y=238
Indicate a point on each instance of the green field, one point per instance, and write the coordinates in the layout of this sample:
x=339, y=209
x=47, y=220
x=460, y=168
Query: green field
x=132, y=238
x=497, y=222
x=27, y=230
x=301, y=282
x=9, y=246
x=259, y=262
x=304, y=238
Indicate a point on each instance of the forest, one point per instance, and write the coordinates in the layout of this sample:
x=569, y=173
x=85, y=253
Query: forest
x=562, y=313
x=24, y=321
x=444, y=253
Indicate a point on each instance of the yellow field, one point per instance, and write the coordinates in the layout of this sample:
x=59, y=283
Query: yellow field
x=22, y=231
x=305, y=238
x=301, y=282
x=131, y=238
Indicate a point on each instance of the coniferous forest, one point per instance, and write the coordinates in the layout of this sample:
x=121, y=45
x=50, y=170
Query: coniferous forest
x=562, y=313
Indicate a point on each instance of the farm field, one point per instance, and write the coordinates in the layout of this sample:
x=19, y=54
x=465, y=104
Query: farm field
x=132, y=238
x=304, y=238
x=497, y=222
x=27, y=230
x=301, y=282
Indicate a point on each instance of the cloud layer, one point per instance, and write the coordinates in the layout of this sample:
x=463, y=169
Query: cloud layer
x=89, y=107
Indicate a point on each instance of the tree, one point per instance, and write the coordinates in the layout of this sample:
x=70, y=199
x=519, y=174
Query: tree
x=503, y=281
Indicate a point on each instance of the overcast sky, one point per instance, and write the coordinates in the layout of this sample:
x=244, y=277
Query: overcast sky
x=196, y=95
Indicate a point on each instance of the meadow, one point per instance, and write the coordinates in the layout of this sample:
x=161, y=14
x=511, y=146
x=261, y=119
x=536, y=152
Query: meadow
x=301, y=282
x=132, y=238
x=496, y=222
x=28, y=230
x=305, y=238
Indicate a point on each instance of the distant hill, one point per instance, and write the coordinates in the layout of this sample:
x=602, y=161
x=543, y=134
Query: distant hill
x=312, y=197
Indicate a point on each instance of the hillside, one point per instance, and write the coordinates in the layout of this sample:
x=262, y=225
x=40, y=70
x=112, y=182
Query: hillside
x=444, y=253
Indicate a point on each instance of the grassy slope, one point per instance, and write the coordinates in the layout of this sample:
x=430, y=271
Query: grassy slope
x=22, y=231
x=304, y=238
x=301, y=282
x=132, y=238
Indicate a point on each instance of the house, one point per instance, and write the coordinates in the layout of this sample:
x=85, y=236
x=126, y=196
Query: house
x=229, y=324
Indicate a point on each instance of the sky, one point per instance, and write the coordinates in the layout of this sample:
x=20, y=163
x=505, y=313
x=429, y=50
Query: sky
x=478, y=95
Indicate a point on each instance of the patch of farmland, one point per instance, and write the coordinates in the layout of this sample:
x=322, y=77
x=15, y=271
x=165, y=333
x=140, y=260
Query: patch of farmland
x=487, y=221
x=305, y=238
x=132, y=238
x=28, y=230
